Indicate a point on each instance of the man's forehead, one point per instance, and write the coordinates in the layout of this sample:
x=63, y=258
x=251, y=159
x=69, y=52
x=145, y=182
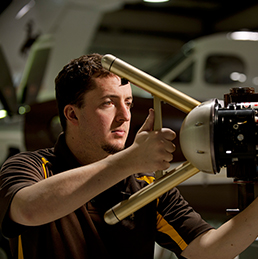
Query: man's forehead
x=110, y=77
x=112, y=84
x=111, y=80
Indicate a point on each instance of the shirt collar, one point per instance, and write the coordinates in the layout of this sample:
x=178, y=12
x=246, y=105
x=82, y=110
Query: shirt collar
x=66, y=159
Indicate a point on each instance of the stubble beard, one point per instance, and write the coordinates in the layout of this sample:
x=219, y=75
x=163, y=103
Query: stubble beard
x=112, y=149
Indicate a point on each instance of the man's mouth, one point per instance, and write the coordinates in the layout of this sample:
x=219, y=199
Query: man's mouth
x=119, y=133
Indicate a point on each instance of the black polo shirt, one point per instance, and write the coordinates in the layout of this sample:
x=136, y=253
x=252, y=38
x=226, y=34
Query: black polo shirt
x=169, y=220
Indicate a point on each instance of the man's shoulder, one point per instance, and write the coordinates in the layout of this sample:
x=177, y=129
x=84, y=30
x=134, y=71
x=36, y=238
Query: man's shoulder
x=40, y=155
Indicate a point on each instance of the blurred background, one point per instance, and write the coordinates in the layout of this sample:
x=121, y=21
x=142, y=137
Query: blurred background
x=202, y=48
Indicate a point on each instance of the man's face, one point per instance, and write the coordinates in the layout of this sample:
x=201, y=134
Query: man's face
x=104, y=120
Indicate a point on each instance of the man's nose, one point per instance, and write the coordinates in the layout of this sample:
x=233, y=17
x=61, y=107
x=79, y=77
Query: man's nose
x=123, y=113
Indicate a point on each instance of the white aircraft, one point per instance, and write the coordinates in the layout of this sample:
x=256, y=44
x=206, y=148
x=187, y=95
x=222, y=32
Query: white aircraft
x=209, y=66
x=205, y=68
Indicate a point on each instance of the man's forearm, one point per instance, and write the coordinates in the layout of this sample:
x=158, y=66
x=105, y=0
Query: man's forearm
x=229, y=240
x=59, y=195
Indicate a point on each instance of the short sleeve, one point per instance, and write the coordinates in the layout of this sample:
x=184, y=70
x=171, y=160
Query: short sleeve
x=177, y=223
x=17, y=172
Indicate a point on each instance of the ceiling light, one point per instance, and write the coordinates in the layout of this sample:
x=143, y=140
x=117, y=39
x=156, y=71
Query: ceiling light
x=244, y=35
x=3, y=114
x=25, y=9
x=155, y=1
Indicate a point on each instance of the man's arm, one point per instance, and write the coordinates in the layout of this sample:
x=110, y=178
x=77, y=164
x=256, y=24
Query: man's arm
x=59, y=195
x=229, y=240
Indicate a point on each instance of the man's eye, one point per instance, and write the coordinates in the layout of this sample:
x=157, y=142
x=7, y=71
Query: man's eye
x=129, y=105
x=108, y=103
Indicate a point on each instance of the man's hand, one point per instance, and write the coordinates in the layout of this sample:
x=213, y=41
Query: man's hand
x=153, y=150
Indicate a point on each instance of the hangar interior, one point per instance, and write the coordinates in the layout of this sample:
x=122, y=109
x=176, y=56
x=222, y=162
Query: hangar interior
x=144, y=34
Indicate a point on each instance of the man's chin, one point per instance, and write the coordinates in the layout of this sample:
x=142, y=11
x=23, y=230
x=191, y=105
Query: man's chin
x=112, y=149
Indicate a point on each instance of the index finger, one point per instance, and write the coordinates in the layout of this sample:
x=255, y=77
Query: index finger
x=168, y=134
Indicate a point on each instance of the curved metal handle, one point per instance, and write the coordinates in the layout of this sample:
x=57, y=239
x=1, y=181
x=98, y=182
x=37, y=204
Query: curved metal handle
x=150, y=193
x=169, y=95
x=149, y=83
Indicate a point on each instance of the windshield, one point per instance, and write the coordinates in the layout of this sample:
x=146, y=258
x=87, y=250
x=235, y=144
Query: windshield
x=171, y=62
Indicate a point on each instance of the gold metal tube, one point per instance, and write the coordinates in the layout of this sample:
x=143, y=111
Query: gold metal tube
x=149, y=83
x=157, y=125
x=150, y=193
x=171, y=96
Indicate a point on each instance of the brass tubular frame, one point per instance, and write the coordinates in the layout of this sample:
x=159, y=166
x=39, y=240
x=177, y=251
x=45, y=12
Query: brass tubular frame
x=171, y=96
x=150, y=193
x=149, y=83
x=157, y=125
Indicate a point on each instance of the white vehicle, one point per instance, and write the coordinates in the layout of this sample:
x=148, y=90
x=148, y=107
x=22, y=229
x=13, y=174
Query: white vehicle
x=208, y=67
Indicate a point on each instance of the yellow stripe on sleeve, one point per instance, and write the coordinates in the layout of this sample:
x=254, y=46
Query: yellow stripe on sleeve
x=147, y=179
x=20, y=250
x=44, y=167
x=164, y=227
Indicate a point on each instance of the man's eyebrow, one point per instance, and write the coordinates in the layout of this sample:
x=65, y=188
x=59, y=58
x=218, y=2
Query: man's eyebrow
x=115, y=96
x=109, y=96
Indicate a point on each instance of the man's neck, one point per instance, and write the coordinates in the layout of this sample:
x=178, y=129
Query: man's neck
x=83, y=155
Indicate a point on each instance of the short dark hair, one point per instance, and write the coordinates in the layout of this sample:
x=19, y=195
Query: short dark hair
x=75, y=79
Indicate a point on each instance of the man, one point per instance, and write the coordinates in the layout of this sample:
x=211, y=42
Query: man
x=54, y=199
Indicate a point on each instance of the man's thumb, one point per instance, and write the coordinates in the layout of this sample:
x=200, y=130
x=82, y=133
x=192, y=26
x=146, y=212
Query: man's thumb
x=149, y=122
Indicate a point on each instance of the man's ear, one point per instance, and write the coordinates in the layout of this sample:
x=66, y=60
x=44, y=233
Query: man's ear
x=70, y=114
